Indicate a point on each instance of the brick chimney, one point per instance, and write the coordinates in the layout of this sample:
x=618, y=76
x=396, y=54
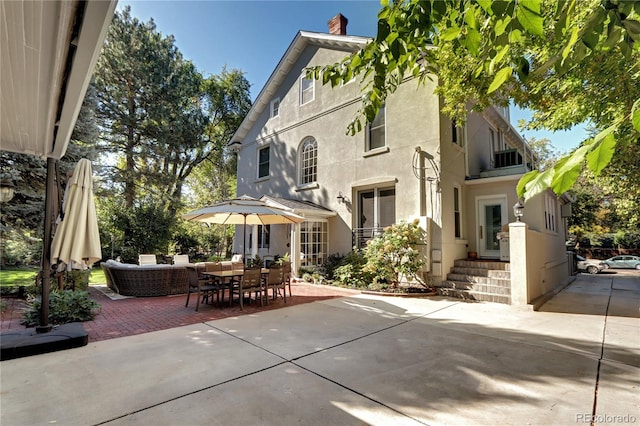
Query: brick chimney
x=338, y=25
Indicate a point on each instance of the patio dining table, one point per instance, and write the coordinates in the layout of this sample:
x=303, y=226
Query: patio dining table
x=227, y=276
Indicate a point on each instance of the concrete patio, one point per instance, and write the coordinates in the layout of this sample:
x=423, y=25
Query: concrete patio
x=355, y=360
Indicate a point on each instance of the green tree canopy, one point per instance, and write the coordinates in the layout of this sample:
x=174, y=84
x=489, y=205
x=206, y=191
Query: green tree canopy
x=160, y=118
x=569, y=61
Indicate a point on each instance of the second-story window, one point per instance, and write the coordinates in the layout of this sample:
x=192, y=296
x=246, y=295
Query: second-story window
x=376, y=135
x=275, y=108
x=263, y=162
x=308, y=158
x=307, y=89
x=457, y=133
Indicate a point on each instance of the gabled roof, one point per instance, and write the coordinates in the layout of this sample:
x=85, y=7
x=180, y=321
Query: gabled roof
x=297, y=46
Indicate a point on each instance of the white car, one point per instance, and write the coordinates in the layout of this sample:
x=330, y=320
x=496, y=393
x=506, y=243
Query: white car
x=589, y=265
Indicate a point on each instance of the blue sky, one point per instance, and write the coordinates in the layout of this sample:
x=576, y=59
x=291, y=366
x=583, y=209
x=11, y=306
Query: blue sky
x=253, y=35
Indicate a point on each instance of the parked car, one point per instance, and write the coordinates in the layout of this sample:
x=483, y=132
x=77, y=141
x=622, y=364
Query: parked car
x=589, y=265
x=631, y=262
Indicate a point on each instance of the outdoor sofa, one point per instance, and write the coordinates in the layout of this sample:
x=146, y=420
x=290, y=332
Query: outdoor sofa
x=146, y=280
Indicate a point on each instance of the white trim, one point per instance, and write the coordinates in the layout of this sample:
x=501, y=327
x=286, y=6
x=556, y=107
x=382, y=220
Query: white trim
x=303, y=77
x=259, y=149
x=271, y=104
x=500, y=199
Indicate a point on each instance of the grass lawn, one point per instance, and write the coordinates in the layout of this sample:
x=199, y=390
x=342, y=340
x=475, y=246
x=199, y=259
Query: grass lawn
x=27, y=276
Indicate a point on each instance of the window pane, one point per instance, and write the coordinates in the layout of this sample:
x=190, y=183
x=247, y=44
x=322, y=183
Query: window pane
x=306, y=90
x=387, y=207
x=263, y=162
x=377, y=131
x=308, y=161
x=366, y=210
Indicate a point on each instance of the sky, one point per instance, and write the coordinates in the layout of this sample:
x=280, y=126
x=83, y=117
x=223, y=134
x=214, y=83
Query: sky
x=252, y=36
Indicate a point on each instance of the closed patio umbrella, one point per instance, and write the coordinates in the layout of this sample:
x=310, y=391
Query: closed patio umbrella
x=77, y=240
x=245, y=211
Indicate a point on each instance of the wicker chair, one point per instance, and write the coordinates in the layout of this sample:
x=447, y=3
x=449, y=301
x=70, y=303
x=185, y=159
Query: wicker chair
x=201, y=286
x=251, y=282
x=275, y=281
x=111, y=283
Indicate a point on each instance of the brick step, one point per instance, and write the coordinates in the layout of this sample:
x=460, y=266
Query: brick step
x=481, y=272
x=474, y=295
x=480, y=280
x=482, y=264
x=477, y=287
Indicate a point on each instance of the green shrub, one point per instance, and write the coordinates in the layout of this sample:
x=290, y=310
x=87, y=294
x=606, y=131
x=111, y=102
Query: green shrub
x=64, y=307
x=394, y=254
x=351, y=272
x=327, y=269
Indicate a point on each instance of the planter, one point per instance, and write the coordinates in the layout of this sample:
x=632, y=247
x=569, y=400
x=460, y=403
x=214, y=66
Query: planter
x=473, y=255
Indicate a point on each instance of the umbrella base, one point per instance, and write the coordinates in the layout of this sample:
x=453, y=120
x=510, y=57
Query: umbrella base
x=27, y=342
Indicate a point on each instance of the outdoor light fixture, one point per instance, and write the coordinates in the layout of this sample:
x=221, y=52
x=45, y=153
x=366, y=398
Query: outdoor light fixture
x=7, y=189
x=341, y=197
x=235, y=145
x=518, y=210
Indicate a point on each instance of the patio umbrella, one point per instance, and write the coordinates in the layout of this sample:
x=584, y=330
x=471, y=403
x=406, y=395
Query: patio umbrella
x=243, y=211
x=77, y=240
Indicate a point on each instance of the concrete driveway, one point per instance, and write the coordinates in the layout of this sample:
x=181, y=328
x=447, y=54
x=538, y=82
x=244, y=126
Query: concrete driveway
x=355, y=360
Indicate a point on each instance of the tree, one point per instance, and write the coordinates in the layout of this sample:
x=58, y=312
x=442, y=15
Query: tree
x=160, y=118
x=569, y=61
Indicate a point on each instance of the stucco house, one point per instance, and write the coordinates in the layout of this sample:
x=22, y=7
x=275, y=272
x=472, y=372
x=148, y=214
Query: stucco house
x=411, y=162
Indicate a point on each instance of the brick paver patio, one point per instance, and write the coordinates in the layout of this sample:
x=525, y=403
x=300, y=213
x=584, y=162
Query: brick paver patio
x=126, y=317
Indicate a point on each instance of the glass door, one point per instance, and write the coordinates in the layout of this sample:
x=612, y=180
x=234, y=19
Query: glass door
x=492, y=214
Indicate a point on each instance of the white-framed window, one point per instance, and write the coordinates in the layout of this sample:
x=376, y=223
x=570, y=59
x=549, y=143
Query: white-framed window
x=376, y=131
x=457, y=212
x=263, y=162
x=550, y=213
x=263, y=236
x=376, y=210
x=497, y=140
x=313, y=243
x=307, y=89
x=274, y=108
x=457, y=133
x=308, y=161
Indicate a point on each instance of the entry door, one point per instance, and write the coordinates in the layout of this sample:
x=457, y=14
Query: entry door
x=492, y=214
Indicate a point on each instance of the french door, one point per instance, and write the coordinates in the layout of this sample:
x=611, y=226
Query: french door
x=492, y=214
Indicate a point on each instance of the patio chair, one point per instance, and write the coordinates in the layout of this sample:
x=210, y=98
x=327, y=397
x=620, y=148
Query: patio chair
x=286, y=275
x=202, y=286
x=147, y=259
x=181, y=259
x=251, y=282
x=275, y=281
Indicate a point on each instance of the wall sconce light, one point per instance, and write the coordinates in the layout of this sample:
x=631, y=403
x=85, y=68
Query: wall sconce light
x=341, y=197
x=7, y=190
x=518, y=210
x=235, y=145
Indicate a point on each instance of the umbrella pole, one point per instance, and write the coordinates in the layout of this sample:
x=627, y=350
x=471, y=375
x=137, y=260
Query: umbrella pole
x=46, y=248
x=244, y=242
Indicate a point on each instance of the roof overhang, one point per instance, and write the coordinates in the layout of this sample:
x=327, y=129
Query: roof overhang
x=49, y=50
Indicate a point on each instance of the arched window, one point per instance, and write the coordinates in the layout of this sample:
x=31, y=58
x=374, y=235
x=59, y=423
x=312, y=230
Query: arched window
x=308, y=161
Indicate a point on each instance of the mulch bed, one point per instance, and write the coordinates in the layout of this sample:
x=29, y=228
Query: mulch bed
x=127, y=317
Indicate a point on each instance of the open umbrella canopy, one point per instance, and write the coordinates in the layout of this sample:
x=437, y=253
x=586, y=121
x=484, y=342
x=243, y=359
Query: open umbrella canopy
x=77, y=238
x=243, y=211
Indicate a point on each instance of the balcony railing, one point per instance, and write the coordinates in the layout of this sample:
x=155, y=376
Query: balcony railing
x=507, y=158
x=360, y=236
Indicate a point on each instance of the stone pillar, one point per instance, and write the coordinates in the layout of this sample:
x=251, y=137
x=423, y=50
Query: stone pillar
x=518, y=261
